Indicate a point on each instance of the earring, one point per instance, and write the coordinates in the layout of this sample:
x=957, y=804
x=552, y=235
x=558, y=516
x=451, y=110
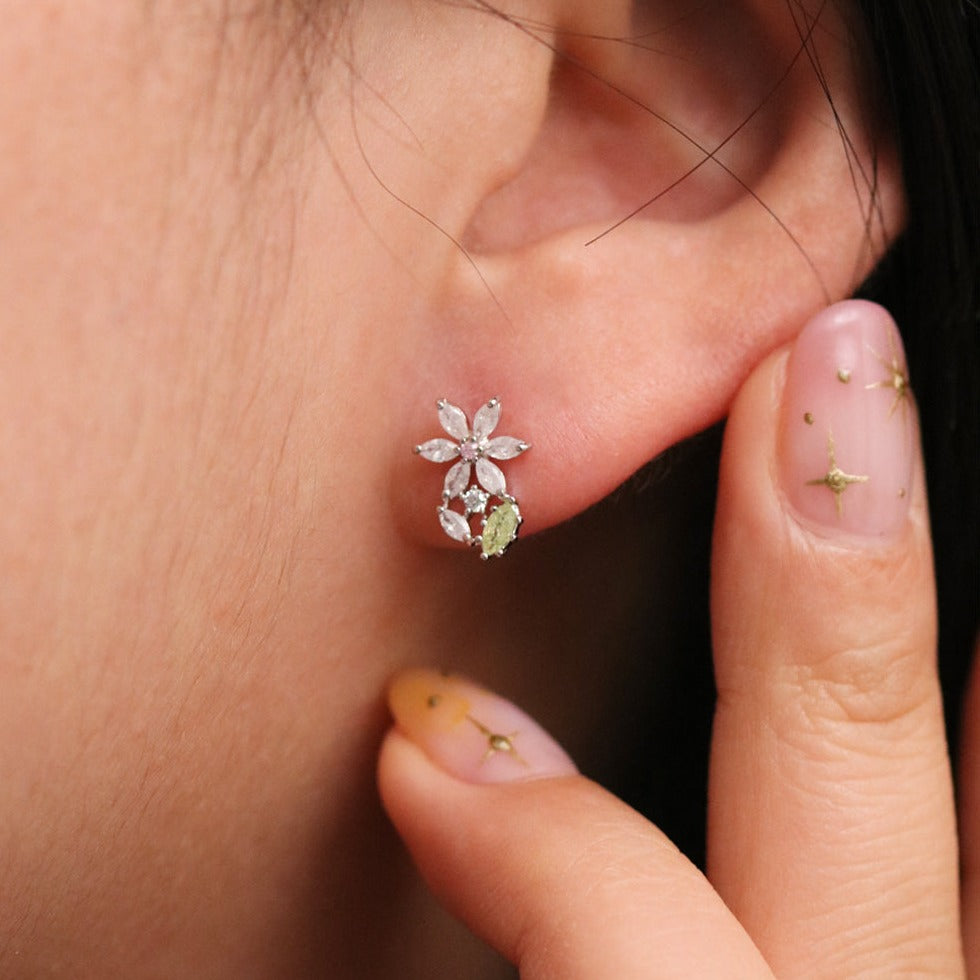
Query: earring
x=473, y=448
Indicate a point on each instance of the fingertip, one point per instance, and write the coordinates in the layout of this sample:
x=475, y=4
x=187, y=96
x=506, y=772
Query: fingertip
x=471, y=733
x=805, y=556
x=405, y=776
x=848, y=429
x=821, y=449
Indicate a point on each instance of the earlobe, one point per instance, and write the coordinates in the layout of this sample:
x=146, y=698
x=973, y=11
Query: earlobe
x=609, y=342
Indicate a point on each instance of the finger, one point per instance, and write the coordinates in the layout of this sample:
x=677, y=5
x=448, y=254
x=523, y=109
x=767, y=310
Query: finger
x=832, y=833
x=559, y=876
x=970, y=820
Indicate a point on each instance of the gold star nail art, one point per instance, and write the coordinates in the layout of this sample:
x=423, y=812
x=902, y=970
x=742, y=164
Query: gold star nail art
x=897, y=380
x=498, y=743
x=835, y=479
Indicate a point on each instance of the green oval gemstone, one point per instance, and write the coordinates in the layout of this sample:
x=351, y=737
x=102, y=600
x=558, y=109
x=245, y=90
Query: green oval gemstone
x=501, y=529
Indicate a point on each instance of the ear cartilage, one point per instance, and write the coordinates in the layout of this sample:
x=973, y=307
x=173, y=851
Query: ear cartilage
x=473, y=448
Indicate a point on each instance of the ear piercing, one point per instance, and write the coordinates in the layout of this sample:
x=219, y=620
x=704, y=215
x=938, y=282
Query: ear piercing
x=472, y=448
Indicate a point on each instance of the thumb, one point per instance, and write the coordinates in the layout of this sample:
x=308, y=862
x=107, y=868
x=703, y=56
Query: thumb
x=559, y=876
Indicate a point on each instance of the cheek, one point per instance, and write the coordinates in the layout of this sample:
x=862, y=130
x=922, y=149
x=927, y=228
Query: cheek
x=146, y=254
x=145, y=258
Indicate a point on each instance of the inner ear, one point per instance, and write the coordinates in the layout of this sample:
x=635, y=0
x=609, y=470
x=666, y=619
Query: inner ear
x=749, y=114
x=669, y=122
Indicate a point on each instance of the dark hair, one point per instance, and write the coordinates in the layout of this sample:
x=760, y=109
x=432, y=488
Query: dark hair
x=927, y=59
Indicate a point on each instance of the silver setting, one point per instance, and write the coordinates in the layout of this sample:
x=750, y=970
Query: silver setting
x=472, y=450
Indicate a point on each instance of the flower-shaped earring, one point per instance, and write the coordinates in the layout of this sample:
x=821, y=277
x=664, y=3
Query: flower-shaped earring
x=473, y=448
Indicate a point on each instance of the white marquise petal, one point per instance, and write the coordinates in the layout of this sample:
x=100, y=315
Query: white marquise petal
x=486, y=419
x=454, y=524
x=457, y=479
x=438, y=450
x=505, y=447
x=453, y=420
x=491, y=477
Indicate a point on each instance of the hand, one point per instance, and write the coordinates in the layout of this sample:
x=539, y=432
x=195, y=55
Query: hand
x=832, y=845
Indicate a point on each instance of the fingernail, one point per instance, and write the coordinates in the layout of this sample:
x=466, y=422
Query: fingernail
x=848, y=431
x=472, y=734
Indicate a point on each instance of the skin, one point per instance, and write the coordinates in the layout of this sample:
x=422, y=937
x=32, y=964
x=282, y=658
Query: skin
x=232, y=289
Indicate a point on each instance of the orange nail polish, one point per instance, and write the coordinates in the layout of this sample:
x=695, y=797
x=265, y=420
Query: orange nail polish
x=470, y=732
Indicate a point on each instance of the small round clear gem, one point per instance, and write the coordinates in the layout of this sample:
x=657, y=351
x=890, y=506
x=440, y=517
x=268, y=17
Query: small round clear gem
x=469, y=451
x=475, y=500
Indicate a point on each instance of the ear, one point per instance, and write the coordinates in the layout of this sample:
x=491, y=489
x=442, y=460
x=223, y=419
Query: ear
x=739, y=142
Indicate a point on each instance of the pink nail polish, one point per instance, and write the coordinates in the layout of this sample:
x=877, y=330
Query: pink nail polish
x=472, y=734
x=849, y=430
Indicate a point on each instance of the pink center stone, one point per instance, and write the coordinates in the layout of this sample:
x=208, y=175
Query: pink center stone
x=469, y=451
